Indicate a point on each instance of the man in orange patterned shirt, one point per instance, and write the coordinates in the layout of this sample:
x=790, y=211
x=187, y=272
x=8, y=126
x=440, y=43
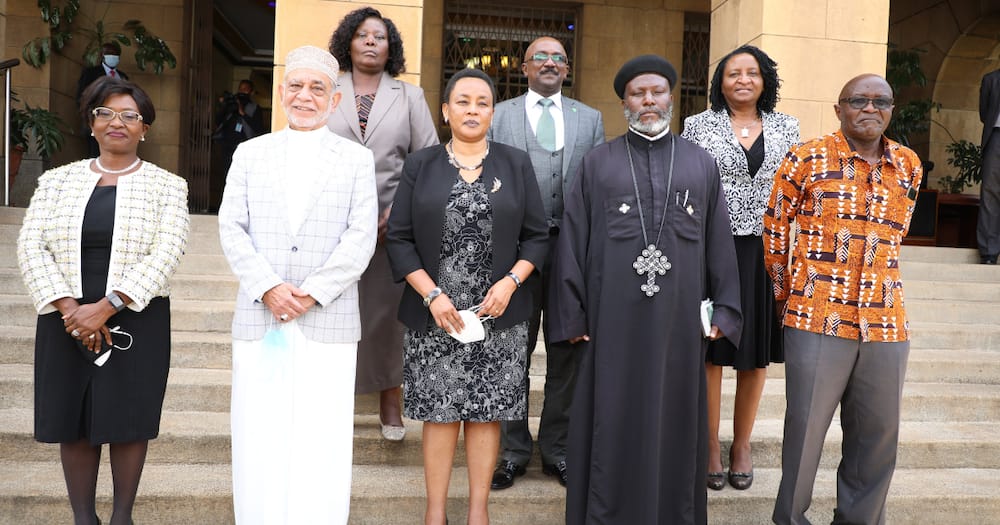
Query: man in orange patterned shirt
x=842, y=204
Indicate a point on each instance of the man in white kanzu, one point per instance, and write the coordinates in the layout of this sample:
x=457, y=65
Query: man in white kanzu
x=298, y=226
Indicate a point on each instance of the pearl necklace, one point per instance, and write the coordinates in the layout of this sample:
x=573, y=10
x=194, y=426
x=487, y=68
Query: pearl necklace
x=454, y=161
x=130, y=167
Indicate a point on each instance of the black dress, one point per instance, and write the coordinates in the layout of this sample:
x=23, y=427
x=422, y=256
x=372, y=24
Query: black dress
x=760, y=343
x=120, y=401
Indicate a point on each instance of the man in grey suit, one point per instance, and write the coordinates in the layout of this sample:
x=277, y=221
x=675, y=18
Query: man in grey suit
x=557, y=132
x=988, y=229
x=298, y=226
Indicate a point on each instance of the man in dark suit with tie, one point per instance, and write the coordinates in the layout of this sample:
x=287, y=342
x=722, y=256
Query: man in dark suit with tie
x=988, y=229
x=557, y=132
x=111, y=54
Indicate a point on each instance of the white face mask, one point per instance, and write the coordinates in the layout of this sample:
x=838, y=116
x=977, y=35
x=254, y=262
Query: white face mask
x=111, y=60
x=474, y=329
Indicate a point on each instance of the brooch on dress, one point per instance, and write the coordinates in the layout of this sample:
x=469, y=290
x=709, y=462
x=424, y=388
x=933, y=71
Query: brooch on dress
x=624, y=208
x=496, y=185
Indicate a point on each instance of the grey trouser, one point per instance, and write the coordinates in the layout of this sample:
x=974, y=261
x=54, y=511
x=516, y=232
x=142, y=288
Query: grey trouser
x=561, y=363
x=988, y=227
x=866, y=380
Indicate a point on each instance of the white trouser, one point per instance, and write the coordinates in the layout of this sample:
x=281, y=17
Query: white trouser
x=293, y=428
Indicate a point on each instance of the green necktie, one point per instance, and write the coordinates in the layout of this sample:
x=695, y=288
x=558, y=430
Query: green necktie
x=545, y=131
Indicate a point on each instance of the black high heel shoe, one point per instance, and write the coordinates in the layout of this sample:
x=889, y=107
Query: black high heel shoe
x=739, y=480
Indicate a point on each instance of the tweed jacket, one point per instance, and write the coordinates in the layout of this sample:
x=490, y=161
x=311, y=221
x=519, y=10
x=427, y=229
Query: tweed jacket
x=746, y=195
x=399, y=123
x=583, y=125
x=328, y=253
x=417, y=221
x=150, y=232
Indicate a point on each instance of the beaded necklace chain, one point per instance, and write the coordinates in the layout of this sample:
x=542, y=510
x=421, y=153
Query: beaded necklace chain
x=454, y=160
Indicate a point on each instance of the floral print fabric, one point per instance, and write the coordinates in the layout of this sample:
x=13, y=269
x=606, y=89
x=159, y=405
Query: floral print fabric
x=446, y=381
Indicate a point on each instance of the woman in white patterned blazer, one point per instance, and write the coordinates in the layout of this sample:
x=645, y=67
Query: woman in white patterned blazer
x=748, y=139
x=99, y=243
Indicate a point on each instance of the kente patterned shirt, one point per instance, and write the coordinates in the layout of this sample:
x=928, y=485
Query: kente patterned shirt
x=846, y=219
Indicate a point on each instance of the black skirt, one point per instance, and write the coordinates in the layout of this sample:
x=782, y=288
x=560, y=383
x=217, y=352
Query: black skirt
x=760, y=343
x=122, y=400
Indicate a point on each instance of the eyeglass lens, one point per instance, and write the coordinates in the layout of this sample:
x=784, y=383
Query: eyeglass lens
x=542, y=57
x=129, y=117
x=862, y=102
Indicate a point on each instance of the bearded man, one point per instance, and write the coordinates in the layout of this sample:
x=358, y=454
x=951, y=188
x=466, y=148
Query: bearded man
x=298, y=226
x=645, y=238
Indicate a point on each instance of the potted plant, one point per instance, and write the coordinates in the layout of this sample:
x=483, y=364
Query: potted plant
x=966, y=157
x=36, y=127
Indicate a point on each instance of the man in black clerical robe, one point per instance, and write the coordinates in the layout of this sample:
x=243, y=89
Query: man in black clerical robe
x=638, y=424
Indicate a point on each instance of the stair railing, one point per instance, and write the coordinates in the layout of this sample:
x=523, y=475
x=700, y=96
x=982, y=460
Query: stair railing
x=6, y=66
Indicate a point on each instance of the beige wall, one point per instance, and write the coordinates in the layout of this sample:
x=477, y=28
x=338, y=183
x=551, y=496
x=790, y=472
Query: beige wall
x=54, y=85
x=311, y=22
x=818, y=47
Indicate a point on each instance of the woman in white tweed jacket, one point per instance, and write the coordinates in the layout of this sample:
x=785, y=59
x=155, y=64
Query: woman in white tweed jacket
x=99, y=243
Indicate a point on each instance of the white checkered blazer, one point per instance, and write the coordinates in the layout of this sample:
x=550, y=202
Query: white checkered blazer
x=150, y=232
x=325, y=257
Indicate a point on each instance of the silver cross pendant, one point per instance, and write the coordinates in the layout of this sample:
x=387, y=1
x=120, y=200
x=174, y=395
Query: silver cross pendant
x=651, y=262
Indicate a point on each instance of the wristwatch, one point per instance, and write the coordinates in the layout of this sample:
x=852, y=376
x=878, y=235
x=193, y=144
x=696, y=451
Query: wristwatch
x=431, y=296
x=116, y=301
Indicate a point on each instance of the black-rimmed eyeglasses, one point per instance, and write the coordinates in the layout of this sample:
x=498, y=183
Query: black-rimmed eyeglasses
x=862, y=102
x=128, y=117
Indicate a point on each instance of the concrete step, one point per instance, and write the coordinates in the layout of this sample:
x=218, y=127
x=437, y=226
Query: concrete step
x=932, y=366
x=967, y=271
x=938, y=255
x=34, y=493
x=957, y=291
x=208, y=390
x=957, y=312
x=204, y=437
x=945, y=335
x=189, y=349
x=182, y=286
x=11, y=215
x=202, y=240
x=189, y=315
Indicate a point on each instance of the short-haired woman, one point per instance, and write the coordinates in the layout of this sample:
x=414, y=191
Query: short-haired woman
x=99, y=243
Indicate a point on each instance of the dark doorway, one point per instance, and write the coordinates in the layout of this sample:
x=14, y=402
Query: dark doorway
x=231, y=41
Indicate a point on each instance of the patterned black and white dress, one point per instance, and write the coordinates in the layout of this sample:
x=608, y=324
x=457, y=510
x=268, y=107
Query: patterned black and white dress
x=446, y=381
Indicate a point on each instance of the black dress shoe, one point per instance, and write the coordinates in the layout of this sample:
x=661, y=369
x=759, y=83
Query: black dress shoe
x=503, y=476
x=716, y=480
x=987, y=259
x=558, y=470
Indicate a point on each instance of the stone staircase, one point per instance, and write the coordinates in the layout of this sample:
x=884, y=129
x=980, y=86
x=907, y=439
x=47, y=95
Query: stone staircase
x=948, y=459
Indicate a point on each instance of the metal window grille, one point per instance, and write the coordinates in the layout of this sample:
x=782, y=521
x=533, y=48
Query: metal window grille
x=494, y=36
x=694, y=74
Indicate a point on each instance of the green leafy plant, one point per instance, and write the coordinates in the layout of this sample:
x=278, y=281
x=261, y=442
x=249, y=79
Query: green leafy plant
x=64, y=24
x=903, y=70
x=36, y=125
x=966, y=157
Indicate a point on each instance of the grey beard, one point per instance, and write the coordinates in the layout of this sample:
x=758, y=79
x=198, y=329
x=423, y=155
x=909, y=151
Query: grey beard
x=653, y=128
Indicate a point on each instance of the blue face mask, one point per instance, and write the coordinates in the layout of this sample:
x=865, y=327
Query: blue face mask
x=275, y=339
x=111, y=60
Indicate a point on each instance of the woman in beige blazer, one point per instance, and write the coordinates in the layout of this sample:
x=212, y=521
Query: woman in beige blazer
x=391, y=118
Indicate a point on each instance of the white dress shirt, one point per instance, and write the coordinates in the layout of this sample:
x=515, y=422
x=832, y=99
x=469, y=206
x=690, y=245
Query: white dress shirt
x=534, y=112
x=301, y=162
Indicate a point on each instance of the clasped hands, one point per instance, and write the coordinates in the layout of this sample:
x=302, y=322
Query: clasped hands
x=86, y=322
x=494, y=304
x=287, y=301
